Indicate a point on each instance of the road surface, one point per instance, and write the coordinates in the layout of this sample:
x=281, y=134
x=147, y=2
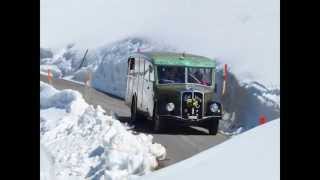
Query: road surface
x=180, y=142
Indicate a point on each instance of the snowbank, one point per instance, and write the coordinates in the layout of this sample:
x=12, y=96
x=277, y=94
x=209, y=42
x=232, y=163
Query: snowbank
x=111, y=77
x=46, y=168
x=86, y=143
x=68, y=61
x=252, y=155
x=244, y=102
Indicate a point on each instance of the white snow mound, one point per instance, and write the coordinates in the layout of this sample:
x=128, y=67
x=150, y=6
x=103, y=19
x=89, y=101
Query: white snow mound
x=46, y=168
x=86, y=143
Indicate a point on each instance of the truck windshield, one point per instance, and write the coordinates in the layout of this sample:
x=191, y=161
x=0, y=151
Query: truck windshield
x=172, y=74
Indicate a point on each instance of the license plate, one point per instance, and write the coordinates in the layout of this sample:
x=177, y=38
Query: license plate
x=192, y=117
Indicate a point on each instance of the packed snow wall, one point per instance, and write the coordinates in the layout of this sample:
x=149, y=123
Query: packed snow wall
x=111, y=77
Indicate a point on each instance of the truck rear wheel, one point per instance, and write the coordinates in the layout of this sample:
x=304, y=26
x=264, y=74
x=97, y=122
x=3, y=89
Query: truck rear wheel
x=133, y=111
x=213, y=126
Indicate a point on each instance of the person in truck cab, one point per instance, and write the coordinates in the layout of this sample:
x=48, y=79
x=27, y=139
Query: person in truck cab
x=199, y=77
x=173, y=75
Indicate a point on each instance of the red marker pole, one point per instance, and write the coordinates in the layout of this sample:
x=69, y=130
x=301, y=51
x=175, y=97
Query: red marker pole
x=224, y=79
x=262, y=119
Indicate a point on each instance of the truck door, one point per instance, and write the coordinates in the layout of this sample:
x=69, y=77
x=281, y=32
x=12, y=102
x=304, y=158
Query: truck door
x=148, y=93
x=135, y=78
x=130, y=76
x=140, y=84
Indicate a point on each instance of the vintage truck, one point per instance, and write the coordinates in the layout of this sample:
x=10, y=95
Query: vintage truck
x=178, y=87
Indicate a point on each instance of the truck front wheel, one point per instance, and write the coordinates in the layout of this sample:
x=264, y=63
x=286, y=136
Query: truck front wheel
x=213, y=126
x=158, y=125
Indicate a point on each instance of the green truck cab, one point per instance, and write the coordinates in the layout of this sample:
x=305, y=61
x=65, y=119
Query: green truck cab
x=165, y=86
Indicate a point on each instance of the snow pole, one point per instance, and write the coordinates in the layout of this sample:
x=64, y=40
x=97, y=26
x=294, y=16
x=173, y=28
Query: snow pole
x=88, y=78
x=224, y=79
x=49, y=77
x=83, y=59
x=262, y=119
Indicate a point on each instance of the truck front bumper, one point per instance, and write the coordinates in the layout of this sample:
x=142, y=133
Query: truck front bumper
x=181, y=120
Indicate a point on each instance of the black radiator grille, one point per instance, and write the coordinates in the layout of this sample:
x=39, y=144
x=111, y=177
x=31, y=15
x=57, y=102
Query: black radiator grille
x=189, y=112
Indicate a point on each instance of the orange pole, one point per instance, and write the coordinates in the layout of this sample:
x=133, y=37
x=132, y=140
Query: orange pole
x=49, y=76
x=224, y=79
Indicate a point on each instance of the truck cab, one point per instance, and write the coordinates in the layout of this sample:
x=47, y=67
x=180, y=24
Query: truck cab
x=166, y=86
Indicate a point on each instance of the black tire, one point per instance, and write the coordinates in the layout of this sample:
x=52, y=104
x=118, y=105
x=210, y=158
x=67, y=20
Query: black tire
x=133, y=117
x=140, y=117
x=158, y=124
x=213, y=126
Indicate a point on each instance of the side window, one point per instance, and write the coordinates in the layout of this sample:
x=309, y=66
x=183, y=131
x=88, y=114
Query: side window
x=146, y=70
x=141, y=65
x=151, y=72
x=131, y=63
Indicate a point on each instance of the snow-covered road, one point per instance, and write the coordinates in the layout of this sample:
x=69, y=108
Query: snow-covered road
x=180, y=142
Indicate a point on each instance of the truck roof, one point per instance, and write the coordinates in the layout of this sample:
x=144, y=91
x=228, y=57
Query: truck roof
x=179, y=59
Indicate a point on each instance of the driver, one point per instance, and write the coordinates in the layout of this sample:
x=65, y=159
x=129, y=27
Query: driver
x=199, y=76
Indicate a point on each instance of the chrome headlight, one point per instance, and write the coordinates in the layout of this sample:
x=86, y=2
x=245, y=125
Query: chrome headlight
x=170, y=107
x=214, y=108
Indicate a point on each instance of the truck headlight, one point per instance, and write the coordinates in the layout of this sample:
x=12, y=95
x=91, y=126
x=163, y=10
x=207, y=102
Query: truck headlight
x=214, y=108
x=170, y=107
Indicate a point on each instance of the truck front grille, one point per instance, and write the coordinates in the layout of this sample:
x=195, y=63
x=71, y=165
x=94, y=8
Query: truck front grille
x=191, y=111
